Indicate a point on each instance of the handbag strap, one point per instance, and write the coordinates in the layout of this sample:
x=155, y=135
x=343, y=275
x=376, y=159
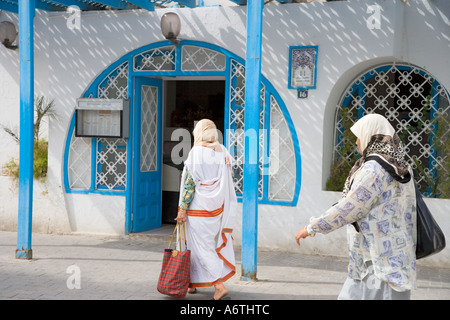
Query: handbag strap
x=179, y=227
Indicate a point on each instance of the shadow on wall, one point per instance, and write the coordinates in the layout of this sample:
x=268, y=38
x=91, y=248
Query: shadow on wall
x=352, y=37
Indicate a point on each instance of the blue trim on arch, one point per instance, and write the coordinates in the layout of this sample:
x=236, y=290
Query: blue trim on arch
x=130, y=141
x=295, y=142
x=92, y=90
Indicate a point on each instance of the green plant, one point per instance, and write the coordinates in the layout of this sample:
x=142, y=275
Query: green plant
x=346, y=156
x=43, y=109
x=12, y=168
x=40, y=159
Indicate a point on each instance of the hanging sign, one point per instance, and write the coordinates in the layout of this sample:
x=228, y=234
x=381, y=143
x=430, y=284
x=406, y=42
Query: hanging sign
x=102, y=118
x=302, y=67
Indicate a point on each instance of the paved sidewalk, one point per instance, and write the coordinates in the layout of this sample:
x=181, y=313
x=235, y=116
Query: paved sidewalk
x=127, y=267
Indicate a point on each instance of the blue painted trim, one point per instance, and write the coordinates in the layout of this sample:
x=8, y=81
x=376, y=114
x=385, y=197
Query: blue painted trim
x=290, y=67
x=38, y=4
x=94, y=167
x=25, y=206
x=66, y=154
x=178, y=54
x=251, y=153
x=266, y=150
x=67, y=3
x=129, y=188
x=144, y=4
x=115, y=4
x=188, y=3
x=295, y=142
x=10, y=7
x=226, y=112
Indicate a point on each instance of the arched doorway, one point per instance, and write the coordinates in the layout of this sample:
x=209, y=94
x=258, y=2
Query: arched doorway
x=215, y=80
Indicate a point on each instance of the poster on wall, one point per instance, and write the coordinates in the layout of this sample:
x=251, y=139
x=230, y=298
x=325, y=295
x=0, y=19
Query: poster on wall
x=102, y=118
x=302, y=67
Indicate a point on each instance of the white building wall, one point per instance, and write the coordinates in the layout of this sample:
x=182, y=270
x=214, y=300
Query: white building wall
x=49, y=213
x=417, y=32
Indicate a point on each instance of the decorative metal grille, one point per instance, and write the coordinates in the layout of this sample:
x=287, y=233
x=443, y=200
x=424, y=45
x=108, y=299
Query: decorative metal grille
x=111, y=164
x=282, y=168
x=149, y=133
x=236, y=123
x=159, y=59
x=111, y=169
x=195, y=58
x=236, y=132
x=79, y=163
x=115, y=85
x=417, y=106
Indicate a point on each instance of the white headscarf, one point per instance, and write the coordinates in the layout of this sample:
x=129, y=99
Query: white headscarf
x=205, y=135
x=370, y=125
x=378, y=138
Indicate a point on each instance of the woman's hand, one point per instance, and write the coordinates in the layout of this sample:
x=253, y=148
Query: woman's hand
x=301, y=234
x=181, y=217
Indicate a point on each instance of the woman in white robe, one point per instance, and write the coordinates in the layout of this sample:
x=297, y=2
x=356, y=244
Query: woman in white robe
x=208, y=206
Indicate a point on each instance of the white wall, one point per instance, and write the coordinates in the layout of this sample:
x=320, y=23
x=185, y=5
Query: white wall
x=78, y=56
x=9, y=95
x=49, y=214
x=417, y=33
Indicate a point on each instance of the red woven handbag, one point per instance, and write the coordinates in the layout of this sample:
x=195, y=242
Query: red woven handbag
x=176, y=269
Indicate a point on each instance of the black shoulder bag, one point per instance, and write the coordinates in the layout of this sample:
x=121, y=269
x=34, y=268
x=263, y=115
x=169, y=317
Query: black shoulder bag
x=430, y=238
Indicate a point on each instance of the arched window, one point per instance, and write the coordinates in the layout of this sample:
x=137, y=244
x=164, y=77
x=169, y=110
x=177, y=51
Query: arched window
x=100, y=165
x=416, y=105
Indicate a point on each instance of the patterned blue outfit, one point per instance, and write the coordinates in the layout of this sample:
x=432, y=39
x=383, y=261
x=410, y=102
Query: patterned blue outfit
x=385, y=213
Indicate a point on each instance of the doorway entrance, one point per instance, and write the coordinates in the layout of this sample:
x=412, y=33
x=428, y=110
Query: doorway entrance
x=105, y=169
x=185, y=102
